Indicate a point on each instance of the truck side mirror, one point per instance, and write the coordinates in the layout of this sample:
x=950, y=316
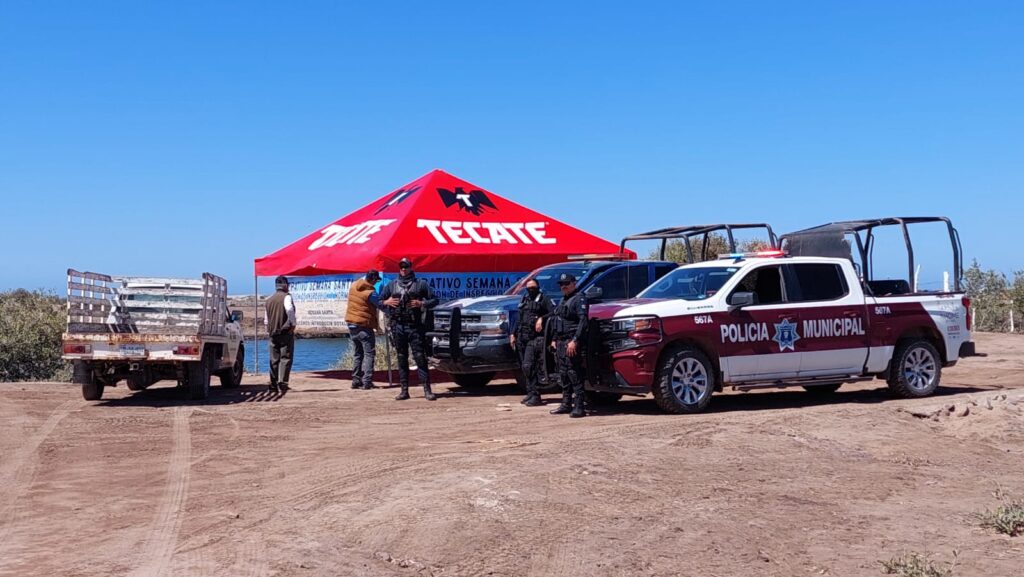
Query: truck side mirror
x=742, y=299
x=593, y=293
x=236, y=316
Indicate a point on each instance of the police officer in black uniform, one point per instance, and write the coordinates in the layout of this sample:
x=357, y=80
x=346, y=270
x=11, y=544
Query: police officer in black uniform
x=406, y=300
x=528, y=338
x=568, y=338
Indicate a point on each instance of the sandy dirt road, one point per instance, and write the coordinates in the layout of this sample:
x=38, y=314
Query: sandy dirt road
x=327, y=481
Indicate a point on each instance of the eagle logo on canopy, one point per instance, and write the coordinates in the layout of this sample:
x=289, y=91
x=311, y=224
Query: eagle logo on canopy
x=474, y=202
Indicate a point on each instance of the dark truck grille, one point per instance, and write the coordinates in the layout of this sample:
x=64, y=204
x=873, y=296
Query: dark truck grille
x=442, y=331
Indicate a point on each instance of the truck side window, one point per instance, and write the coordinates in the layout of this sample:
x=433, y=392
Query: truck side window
x=661, y=270
x=818, y=282
x=765, y=283
x=637, y=279
x=613, y=284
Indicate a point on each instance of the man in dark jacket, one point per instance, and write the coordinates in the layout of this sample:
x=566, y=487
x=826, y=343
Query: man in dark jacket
x=528, y=339
x=279, y=317
x=569, y=330
x=406, y=301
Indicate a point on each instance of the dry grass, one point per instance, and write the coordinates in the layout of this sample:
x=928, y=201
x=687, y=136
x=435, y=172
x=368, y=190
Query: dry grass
x=917, y=565
x=1007, y=518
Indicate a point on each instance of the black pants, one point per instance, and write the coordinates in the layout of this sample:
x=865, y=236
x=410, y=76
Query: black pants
x=411, y=336
x=281, y=348
x=570, y=373
x=531, y=361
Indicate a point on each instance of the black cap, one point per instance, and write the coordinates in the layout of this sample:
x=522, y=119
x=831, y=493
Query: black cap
x=281, y=281
x=566, y=278
x=405, y=263
x=372, y=275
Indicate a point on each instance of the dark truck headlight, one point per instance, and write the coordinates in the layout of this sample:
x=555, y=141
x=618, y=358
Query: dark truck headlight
x=632, y=332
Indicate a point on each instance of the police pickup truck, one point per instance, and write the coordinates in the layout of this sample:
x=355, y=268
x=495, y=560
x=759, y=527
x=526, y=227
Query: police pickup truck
x=773, y=318
x=470, y=338
x=144, y=330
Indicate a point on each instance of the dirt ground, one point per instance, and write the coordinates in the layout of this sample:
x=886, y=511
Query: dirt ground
x=327, y=481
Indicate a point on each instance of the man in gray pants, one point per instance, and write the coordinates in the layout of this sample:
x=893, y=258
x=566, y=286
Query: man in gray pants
x=361, y=316
x=280, y=320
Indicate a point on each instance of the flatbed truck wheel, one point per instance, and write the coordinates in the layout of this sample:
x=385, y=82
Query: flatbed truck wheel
x=92, y=390
x=915, y=369
x=199, y=377
x=233, y=378
x=685, y=381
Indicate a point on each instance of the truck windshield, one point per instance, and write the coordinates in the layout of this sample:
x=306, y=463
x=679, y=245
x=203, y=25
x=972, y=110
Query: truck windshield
x=692, y=284
x=547, y=277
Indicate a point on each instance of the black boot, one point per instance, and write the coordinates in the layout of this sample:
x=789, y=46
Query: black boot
x=577, y=408
x=566, y=405
x=534, y=400
x=428, y=394
x=526, y=399
x=404, y=394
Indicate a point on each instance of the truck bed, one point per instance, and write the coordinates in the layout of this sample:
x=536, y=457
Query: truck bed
x=145, y=309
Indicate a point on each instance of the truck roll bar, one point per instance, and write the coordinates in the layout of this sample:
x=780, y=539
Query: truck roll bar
x=830, y=240
x=685, y=233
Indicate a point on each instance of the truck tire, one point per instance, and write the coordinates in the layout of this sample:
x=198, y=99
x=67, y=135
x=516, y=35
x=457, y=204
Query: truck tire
x=685, y=381
x=138, y=382
x=473, y=380
x=81, y=374
x=198, y=377
x=233, y=378
x=822, y=389
x=915, y=369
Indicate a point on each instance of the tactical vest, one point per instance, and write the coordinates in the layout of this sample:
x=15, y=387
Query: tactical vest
x=416, y=290
x=530, y=309
x=565, y=317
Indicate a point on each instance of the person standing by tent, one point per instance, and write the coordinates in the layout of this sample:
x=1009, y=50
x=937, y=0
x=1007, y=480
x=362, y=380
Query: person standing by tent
x=361, y=316
x=406, y=300
x=569, y=329
x=279, y=316
x=528, y=338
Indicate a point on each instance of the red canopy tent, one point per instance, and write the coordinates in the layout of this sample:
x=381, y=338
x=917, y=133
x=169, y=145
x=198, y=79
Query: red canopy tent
x=443, y=224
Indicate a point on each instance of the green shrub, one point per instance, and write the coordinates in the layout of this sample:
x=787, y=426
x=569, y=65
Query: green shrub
x=917, y=565
x=31, y=324
x=1007, y=518
x=380, y=360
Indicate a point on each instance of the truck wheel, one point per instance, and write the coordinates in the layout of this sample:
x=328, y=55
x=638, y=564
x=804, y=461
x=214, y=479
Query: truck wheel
x=602, y=398
x=92, y=389
x=199, y=377
x=822, y=389
x=81, y=374
x=233, y=378
x=915, y=370
x=473, y=380
x=137, y=382
x=685, y=382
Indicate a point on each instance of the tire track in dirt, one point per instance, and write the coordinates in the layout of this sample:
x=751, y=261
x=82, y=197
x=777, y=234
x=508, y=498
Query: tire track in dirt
x=18, y=472
x=159, y=547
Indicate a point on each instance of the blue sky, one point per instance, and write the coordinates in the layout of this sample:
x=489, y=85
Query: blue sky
x=173, y=138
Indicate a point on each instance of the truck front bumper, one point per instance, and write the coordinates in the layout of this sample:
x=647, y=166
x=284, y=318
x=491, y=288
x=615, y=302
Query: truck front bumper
x=487, y=354
x=631, y=371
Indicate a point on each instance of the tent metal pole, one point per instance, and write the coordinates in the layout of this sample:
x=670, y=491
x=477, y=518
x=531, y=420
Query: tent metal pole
x=256, y=323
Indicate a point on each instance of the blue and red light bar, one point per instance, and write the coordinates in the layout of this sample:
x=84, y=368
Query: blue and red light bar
x=774, y=253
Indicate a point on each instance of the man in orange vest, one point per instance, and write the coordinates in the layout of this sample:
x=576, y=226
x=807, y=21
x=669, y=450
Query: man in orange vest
x=361, y=316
